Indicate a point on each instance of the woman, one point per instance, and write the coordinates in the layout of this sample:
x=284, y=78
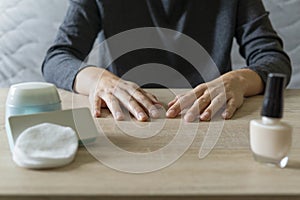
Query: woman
x=213, y=24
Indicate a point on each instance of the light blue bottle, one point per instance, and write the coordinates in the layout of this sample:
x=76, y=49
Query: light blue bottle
x=30, y=98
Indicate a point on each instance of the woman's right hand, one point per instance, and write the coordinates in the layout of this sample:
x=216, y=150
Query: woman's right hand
x=107, y=90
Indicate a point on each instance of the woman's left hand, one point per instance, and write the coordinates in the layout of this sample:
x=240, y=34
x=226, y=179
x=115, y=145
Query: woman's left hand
x=208, y=98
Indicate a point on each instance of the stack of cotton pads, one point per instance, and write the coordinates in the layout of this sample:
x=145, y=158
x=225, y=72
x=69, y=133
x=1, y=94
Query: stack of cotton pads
x=45, y=146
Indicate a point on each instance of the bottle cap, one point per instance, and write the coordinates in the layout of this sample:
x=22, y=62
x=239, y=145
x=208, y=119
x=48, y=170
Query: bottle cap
x=273, y=98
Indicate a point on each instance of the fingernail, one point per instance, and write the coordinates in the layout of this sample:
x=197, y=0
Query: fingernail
x=189, y=117
x=119, y=116
x=155, y=113
x=171, y=113
x=142, y=116
x=96, y=113
x=225, y=114
x=205, y=116
x=158, y=106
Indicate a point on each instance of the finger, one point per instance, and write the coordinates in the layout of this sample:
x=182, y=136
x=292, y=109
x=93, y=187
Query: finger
x=199, y=105
x=200, y=89
x=158, y=105
x=215, y=87
x=231, y=108
x=171, y=103
x=195, y=93
x=216, y=104
x=131, y=105
x=143, y=100
x=114, y=106
x=141, y=97
x=95, y=102
x=151, y=97
x=182, y=103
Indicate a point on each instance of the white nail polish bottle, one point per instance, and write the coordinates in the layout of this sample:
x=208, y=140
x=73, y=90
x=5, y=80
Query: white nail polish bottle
x=270, y=138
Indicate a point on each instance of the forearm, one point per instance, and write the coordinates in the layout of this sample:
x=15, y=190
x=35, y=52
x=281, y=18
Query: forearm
x=271, y=62
x=259, y=42
x=74, y=41
x=61, y=69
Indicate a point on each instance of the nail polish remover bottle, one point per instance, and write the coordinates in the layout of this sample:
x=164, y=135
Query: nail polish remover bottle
x=270, y=138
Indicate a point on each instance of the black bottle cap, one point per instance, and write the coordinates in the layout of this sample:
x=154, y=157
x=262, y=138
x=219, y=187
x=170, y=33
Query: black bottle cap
x=273, y=98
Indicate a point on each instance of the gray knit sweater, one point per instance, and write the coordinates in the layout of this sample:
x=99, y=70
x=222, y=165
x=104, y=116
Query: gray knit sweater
x=213, y=24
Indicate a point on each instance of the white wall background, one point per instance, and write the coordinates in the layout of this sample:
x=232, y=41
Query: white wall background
x=27, y=28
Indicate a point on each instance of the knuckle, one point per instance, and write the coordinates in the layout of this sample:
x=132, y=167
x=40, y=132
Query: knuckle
x=218, y=101
x=112, y=100
x=206, y=94
x=108, y=90
x=143, y=99
x=230, y=95
x=236, y=103
x=203, y=100
x=98, y=92
x=183, y=98
x=178, y=96
x=232, y=104
x=200, y=87
x=132, y=101
x=135, y=108
x=213, y=91
x=132, y=85
x=220, y=98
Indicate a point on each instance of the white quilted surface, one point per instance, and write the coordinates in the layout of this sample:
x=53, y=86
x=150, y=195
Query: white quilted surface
x=27, y=28
x=285, y=17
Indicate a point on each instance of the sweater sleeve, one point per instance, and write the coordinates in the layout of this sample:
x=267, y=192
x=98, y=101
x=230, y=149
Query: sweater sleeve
x=74, y=40
x=259, y=43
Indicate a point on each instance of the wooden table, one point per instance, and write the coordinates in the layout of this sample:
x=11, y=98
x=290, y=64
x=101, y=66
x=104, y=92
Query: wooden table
x=228, y=172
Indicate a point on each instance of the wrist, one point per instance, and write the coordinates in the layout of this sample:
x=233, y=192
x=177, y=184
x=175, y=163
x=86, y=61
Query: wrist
x=250, y=81
x=87, y=79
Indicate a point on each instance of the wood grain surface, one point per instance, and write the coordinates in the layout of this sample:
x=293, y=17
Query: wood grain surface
x=228, y=172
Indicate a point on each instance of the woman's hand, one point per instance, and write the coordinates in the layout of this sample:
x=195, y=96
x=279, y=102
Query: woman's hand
x=207, y=99
x=107, y=90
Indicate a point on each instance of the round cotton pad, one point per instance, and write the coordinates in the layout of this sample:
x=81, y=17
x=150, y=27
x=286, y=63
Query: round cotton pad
x=45, y=146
